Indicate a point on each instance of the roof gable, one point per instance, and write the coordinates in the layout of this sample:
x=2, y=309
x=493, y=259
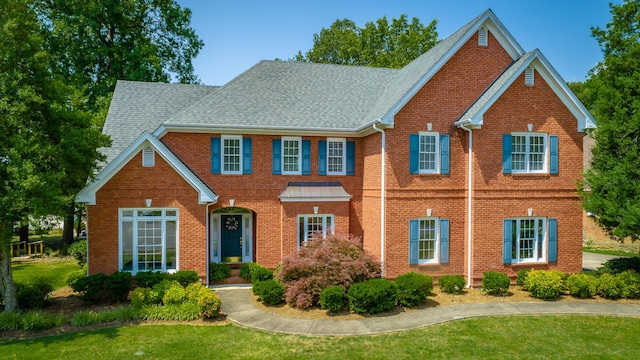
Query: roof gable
x=88, y=194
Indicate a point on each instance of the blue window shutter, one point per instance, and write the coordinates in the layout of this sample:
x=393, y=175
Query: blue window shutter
x=277, y=158
x=553, y=154
x=414, y=153
x=413, y=241
x=444, y=154
x=444, y=241
x=507, y=240
x=506, y=153
x=553, y=240
x=351, y=157
x=246, y=155
x=306, y=157
x=215, y=155
x=322, y=157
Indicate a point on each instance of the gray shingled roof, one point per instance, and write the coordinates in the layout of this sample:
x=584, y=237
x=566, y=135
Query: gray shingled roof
x=137, y=107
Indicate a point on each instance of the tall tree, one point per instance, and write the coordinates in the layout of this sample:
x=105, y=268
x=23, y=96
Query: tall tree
x=41, y=131
x=98, y=42
x=613, y=180
x=378, y=44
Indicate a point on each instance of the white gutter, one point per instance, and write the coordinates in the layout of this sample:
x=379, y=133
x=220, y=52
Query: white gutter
x=382, y=198
x=462, y=125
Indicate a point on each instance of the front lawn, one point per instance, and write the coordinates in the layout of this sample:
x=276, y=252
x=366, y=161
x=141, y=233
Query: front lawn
x=55, y=269
x=504, y=337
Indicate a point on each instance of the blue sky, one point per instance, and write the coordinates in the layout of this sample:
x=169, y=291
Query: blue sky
x=239, y=33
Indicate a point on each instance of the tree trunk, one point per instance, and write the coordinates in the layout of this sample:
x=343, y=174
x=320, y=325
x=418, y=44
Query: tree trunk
x=67, y=229
x=6, y=281
x=24, y=233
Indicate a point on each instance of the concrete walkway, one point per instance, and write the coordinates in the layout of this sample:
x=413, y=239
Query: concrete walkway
x=240, y=308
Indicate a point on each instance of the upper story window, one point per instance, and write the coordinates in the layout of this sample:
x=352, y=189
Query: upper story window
x=231, y=154
x=429, y=153
x=291, y=156
x=529, y=153
x=336, y=156
x=291, y=159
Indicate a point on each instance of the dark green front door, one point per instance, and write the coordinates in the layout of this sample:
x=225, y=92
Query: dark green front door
x=231, y=238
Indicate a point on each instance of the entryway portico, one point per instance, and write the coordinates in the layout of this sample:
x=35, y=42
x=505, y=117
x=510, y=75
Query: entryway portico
x=231, y=235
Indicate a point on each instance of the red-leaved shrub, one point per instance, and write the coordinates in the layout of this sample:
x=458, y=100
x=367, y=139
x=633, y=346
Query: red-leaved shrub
x=322, y=263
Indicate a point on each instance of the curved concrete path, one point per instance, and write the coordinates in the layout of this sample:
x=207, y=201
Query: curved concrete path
x=240, y=308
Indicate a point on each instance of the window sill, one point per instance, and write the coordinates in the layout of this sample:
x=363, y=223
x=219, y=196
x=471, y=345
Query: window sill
x=530, y=174
x=525, y=264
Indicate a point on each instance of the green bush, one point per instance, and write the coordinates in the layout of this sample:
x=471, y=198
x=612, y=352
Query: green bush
x=183, y=312
x=174, y=294
x=140, y=297
x=261, y=273
x=10, y=320
x=630, y=281
x=451, y=284
x=185, y=277
x=150, y=278
x=618, y=265
x=38, y=320
x=413, y=288
x=161, y=287
x=582, y=285
x=34, y=294
x=521, y=277
x=118, y=285
x=609, y=286
x=90, y=288
x=218, y=271
x=333, y=298
x=246, y=269
x=372, y=296
x=205, y=298
x=79, y=251
x=270, y=292
x=495, y=283
x=544, y=284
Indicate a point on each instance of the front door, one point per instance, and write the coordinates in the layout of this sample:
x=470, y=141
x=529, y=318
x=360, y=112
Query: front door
x=231, y=236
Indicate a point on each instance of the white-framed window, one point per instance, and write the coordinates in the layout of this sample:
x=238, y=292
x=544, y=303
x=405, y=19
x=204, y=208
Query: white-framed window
x=528, y=239
x=291, y=155
x=528, y=153
x=314, y=226
x=231, y=154
x=428, y=153
x=336, y=156
x=148, y=240
x=427, y=240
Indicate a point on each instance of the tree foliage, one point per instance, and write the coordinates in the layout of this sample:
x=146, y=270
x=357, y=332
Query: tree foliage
x=612, y=93
x=377, y=44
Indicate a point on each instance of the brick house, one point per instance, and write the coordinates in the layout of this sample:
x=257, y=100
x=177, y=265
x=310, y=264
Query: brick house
x=461, y=162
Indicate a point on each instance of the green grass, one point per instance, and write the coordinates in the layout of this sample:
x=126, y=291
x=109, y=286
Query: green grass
x=57, y=271
x=608, y=251
x=500, y=337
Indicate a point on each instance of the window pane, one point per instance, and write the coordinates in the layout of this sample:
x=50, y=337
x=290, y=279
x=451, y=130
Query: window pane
x=427, y=240
x=149, y=245
x=290, y=155
x=335, y=156
x=527, y=238
x=231, y=155
x=518, y=152
x=127, y=245
x=301, y=230
x=428, y=152
x=171, y=248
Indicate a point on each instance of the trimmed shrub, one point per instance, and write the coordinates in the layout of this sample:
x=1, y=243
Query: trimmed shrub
x=270, y=292
x=630, y=281
x=413, y=288
x=34, y=294
x=140, y=297
x=521, y=277
x=161, y=287
x=260, y=273
x=451, y=284
x=90, y=288
x=205, y=298
x=219, y=271
x=150, y=278
x=174, y=294
x=495, y=283
x=544, y=284
x=333, y=298
x=372, y=296
x=582, y=285
x=118, y=285
x=609, y=286
x=322, y=263
x=79, y=251
x=185, y=277
x=618, y=265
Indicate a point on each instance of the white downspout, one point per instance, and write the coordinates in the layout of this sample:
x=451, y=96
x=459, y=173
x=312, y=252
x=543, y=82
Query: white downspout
x=208, y=252
x=382, y=199
x=469, y=199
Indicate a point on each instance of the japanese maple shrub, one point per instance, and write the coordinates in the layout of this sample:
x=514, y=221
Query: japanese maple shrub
x=322, y=263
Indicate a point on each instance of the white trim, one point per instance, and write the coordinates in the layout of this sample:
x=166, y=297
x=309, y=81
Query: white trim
x=222, y=154
x=436, y=169
x=436, y=239
x=88, y=194
x=326, y=230
x=544, y=243
x=342, y=141
x=297, y=139
x=527, y=153
x=216, y=236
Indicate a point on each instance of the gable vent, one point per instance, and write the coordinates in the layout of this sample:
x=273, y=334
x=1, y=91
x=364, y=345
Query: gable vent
x=148, y=157
x=483, y=37
x=528, y=76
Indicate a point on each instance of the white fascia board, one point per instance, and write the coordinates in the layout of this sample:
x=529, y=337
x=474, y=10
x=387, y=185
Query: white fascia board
x=88, y=193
